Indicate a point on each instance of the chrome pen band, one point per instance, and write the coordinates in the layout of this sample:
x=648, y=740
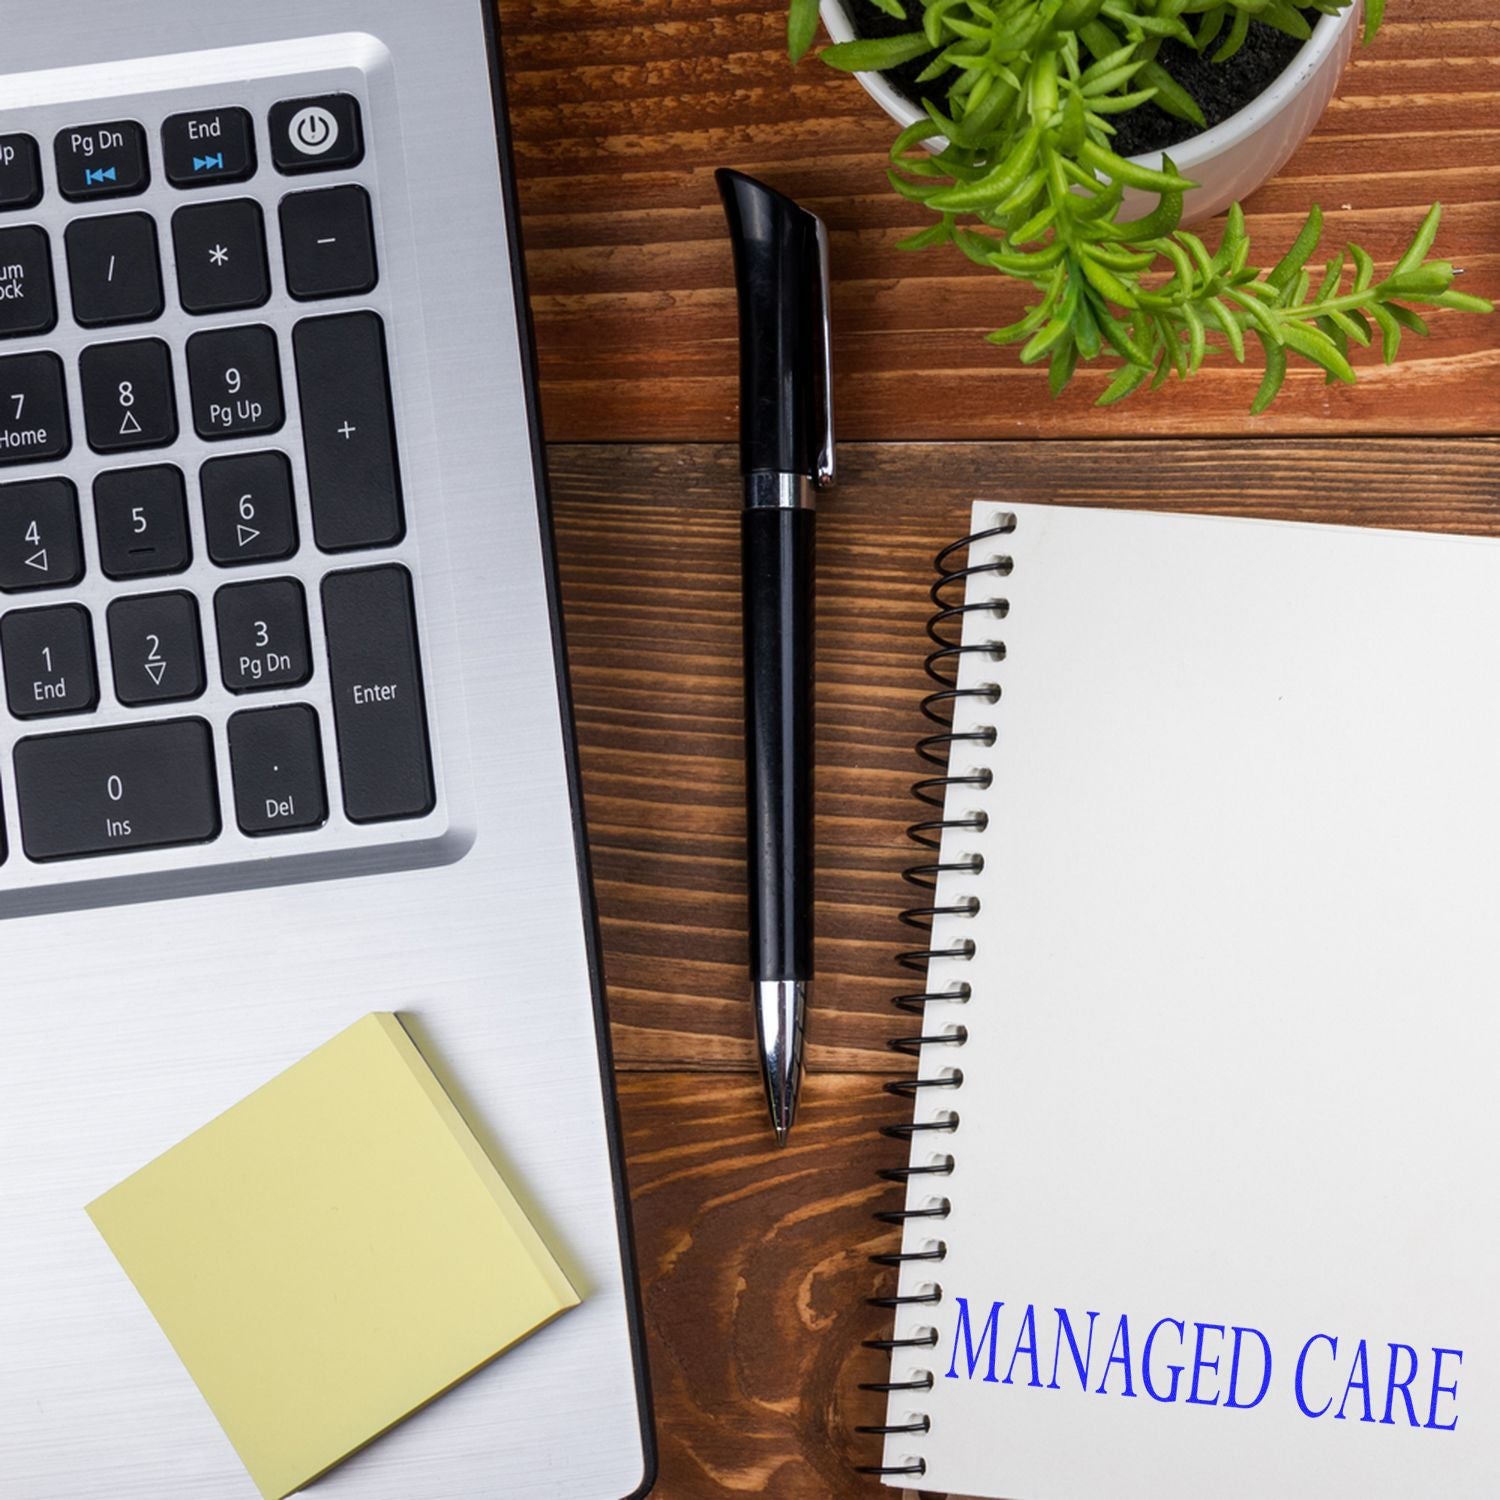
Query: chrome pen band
x=765, y=491
x=780, y=1015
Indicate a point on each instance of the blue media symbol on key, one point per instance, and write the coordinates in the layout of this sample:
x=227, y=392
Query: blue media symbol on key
x=209, y=163
x=92, y=176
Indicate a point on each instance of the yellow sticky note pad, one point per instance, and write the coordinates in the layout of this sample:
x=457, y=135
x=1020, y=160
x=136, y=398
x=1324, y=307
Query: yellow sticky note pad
x=331, y=1253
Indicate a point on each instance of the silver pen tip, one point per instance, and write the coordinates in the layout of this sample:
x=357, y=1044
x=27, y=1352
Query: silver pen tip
x=780, y=1008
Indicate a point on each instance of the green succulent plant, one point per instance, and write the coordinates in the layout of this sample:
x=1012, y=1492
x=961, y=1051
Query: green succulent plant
x=1026, y=183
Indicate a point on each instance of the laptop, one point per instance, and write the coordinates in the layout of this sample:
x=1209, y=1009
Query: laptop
x=284, y=728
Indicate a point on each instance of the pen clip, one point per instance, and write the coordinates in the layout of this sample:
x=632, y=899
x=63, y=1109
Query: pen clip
x=827, y=467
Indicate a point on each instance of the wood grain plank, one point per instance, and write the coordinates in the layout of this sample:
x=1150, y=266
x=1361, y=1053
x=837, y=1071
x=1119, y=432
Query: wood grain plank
x=622, y=109
x=754, y=1270
x=648, y=541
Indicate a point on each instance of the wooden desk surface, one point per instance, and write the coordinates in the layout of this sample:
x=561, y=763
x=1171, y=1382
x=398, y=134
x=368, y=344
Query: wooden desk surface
x=752, y=1259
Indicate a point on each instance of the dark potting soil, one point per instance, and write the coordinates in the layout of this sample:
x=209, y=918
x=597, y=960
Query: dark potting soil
x=1221, y=89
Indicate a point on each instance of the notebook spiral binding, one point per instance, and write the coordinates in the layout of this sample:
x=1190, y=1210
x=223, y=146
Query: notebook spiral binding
x=945, y=630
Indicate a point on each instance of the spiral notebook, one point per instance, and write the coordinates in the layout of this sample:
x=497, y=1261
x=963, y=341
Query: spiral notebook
x=1202, y=1199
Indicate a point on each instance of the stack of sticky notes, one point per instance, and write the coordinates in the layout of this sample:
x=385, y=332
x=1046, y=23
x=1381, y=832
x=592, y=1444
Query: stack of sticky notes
x=331, y=1253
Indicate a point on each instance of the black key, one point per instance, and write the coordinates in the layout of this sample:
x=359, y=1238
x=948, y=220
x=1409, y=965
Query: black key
x=40, y=543
x=221, y=256
x=156, y=648
x=378, y=707
x=114, y=268
x=27, y=303
x=102, y=161
x=33, y=409
x=49, y=661
x=108, y=791
x=235, y=375
x=317, y=134
x=276, y=755
x=129, y=399
x=248, y=511
x=20, y=172
x=263, y=635
x=328, y=239
x=208, y=145
x=354, y=481
x=141, y=516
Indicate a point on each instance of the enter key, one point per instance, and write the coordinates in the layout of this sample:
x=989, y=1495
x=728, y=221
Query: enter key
x=379, y=711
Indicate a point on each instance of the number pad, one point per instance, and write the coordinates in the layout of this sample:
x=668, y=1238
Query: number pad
x=40, y=545
x=156, y=648
x=263, y=635
x=197, y=325
x=141, y=515
x=248, y=511
x=129, y=400
x=49, y=661
x=235, y=375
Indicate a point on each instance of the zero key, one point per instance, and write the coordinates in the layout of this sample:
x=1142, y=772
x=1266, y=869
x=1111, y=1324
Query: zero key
x=108, y=791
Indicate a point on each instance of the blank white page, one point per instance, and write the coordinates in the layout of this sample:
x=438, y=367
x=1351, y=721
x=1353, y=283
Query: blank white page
x=1234, y=1037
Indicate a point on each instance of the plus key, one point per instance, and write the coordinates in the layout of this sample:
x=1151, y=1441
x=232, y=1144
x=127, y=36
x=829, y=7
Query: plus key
x=354, y=479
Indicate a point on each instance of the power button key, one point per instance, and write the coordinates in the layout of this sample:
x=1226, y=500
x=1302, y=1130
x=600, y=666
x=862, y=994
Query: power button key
x=319, y=134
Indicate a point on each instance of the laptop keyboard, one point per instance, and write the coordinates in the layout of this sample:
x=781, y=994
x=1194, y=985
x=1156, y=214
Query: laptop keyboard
x=210, y=507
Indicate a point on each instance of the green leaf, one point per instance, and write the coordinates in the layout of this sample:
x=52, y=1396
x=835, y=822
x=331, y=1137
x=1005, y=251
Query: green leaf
x=1044, y=342
x=1364, y=268
x=1374, y=15
x=1408, y=319
x=1232, y=44
x=1423, y=241
x=1426, y=281
x=1086, y=332
x=1197, y=338
x=1461, y=302
x=801, y=27
x=893, y=8
x=1285, y=16
x=1275, y=376
x=939, y=234
x=1230, y=325
x=1106, y=283
x=1285, y=273
x=875, y=54
x=1314, y=344
x=996, y=184
x=1124, y=384
x=1118, y=336
x=1171, y=96
x=1064, y=362
x=1390, y=330
x=1132, y=174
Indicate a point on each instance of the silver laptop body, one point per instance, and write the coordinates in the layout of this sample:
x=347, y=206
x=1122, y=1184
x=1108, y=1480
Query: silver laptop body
x=184, y=912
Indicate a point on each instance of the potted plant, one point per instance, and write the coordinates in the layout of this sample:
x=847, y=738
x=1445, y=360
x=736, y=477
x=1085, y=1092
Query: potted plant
x=1014, y=114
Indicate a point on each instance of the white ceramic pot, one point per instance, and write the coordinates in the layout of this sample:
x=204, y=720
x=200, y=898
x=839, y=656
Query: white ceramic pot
x=1229, y=161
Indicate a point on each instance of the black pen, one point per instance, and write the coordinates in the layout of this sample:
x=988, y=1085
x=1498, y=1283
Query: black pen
x=786, y=454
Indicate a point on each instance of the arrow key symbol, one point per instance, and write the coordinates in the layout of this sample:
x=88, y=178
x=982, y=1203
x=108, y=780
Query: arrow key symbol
x=247, y=534
x=38, y=561
x=156, y=670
